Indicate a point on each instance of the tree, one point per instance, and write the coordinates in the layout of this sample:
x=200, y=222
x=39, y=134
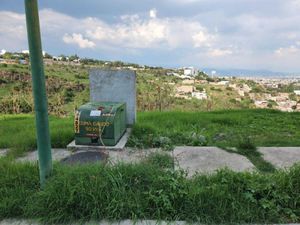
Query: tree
x=47, y=56
x=73, y=57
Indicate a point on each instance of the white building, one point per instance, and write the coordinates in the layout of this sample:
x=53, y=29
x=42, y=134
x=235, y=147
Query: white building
x=199, y=95
x=2, y=52
x=25, y=52
x=223, y=83
x=56, y=58
x=190, y=71
x=297, y=92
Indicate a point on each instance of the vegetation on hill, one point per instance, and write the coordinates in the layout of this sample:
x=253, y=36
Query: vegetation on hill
x=68, y=88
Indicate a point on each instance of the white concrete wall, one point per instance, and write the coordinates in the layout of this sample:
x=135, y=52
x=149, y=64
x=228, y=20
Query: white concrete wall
x=115, y=86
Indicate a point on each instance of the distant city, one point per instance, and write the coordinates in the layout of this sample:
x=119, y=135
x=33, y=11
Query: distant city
x=244, y=73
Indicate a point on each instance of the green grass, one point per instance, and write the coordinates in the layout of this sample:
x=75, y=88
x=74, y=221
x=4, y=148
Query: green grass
x=243, y=129
x=146, y=191
x=17, y=132
x=226, y=128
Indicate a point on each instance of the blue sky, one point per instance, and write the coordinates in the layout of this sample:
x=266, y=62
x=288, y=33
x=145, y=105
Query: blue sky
x=242, y=34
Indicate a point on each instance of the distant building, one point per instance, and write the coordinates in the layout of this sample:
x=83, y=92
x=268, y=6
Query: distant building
x=261, y=104
x=25, y=52
x=188, y=81
x=190, y=71
x=23, y=62
x=213, y=73
x=297, y=92
x=185, y=89
x=223, y=83
x=2, y=52
x=199, y=95
x=57, y=58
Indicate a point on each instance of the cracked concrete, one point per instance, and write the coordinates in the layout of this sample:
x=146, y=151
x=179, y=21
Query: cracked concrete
x=192, y=159
x=209, y=159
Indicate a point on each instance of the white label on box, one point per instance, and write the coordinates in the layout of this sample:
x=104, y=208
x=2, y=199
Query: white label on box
x=95, y=113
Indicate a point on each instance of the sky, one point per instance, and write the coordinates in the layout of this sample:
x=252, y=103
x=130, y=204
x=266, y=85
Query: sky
x=240, y=34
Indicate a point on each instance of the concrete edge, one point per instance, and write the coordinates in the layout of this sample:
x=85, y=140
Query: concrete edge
x=118, y=147
x=122, y=222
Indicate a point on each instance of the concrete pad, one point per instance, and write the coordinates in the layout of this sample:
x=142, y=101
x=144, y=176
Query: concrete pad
x=130, y=155
x=57, y=155
x=281, y=157
x=118, y=147
x=3, y=152
x=103, y=222
x=85, y=157
x=209, y=159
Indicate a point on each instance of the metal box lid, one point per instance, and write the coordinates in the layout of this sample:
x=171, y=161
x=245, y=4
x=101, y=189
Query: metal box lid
x=101, y=108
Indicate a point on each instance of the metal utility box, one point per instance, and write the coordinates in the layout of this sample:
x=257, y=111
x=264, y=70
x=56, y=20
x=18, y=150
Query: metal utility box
x=100, y=123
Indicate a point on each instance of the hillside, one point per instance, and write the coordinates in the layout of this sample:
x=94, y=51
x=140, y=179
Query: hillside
x=68, y=87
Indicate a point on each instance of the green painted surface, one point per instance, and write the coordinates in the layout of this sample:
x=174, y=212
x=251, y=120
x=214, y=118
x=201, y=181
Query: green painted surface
x=100, y=123
x=39, y=89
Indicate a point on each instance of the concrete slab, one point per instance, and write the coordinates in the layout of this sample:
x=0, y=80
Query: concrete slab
x=130, y=155
x=118, y=147
x=103, y=222
x=209, y=159
x=85, y=157
x=3, y=152
x=57, y=155
x=281, y=157
x=114, y=86
x=112, y=157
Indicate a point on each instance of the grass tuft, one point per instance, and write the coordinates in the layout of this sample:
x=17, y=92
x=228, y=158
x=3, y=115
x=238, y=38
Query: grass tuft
x=148, y=191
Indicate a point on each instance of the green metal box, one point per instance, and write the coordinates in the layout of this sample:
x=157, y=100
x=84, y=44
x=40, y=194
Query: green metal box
x=100, y=123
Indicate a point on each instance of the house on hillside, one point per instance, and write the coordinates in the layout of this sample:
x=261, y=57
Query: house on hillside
x=184, y=92
x=2, y=52
x=185, y=89
x=261, y=104
x=222, y=83
x=190, y=71
x=188, y=81
x=199, y=95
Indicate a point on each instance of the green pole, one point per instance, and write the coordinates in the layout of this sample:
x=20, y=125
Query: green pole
x=39, y=90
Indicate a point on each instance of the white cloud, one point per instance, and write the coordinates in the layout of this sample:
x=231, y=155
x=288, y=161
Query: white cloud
x=153, y=13
x=201, y=39
x=12, y=30
x=130, y=17
x=291, y=50
x=183, y=2
x=223, y=35
x=79, y=40
x=219, y=52
x=158, y=33
x=131, y=32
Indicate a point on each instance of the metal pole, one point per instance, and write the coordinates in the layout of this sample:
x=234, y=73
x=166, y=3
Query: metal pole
x=39, y=90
